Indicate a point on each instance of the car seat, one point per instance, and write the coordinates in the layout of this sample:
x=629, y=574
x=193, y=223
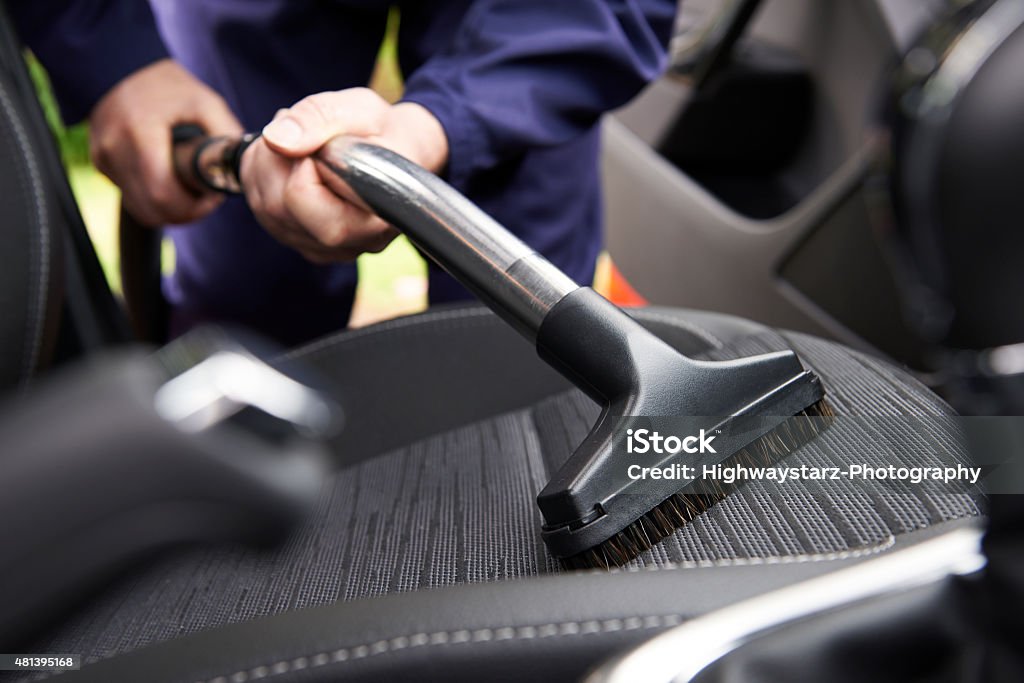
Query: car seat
x=423, y=559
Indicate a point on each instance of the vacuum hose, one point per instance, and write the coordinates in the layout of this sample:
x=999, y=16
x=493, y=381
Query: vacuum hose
x=513, y=279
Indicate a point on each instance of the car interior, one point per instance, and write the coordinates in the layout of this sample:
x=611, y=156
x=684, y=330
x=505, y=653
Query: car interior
x=363, y=508
x=767, y=163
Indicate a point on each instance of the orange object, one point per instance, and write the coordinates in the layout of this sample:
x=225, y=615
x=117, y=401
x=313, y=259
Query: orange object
x=611, y=284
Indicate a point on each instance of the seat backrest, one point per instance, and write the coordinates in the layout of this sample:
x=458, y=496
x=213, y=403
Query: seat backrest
x=31, y=274
x=54, y=299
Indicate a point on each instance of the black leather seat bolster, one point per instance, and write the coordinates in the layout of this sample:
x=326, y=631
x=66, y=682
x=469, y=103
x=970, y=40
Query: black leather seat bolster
x=542, y=628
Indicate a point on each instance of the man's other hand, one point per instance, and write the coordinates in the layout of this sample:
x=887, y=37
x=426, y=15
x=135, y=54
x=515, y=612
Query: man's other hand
x=284, y=188
x=130, y=139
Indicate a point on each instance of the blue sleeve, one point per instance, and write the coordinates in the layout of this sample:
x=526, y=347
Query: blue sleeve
x=87, y=46
x=527, y=73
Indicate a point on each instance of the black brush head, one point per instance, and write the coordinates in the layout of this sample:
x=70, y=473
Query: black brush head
x=683, y=507
x=595, y=505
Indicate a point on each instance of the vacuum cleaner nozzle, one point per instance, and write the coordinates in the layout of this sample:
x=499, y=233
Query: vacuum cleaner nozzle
x=756, y=410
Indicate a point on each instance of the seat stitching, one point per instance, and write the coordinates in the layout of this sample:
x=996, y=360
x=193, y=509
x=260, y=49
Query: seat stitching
x=564, y=628
x=804, y=558
x=455, y=637
x=40, y=274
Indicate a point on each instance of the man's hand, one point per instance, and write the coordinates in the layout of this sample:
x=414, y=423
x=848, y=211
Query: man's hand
x=284, y=188
x=131, y=139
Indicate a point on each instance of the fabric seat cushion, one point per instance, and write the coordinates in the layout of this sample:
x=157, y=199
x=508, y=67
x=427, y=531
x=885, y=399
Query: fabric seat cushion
x=459, y=507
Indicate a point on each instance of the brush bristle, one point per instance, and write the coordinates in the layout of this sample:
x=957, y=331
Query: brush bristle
x=682, y=508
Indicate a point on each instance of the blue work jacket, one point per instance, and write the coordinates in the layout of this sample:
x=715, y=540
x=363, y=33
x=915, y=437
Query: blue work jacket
x=518, y=85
